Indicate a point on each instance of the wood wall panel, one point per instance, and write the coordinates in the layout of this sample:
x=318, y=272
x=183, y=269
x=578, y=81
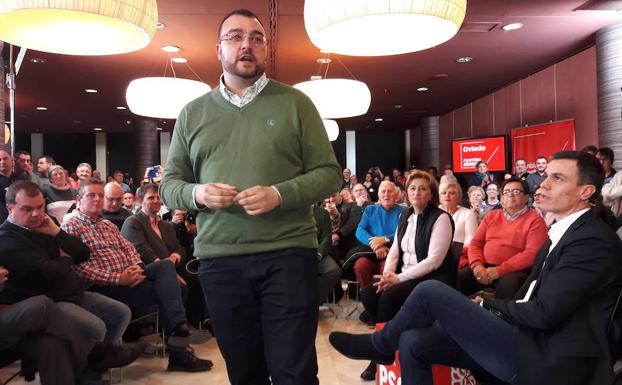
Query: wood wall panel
x=538, y=97
x=507, y=109
x=462, y=122
x=445, y=136
x=577, y=95
x=483, y=116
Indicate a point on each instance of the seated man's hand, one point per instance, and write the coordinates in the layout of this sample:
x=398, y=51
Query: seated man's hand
x=175, y=258
x=258, y=200
x=131, y=276
x=47, y=227
x=381, y=252
x=493, y=274
x=376, y=242
x=481, y=275
x=215, y=195
x=4, y=275
x=477, y=299
x=335, y=238
x=181, y=280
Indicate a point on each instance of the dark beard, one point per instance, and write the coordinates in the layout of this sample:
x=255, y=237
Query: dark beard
x=232, y=69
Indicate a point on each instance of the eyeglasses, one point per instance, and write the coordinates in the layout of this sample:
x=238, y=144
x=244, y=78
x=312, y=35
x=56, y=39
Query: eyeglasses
x=235, y=38
x=514, y=191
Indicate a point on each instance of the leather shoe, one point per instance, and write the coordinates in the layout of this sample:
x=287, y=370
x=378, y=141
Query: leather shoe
x=358, y=347
x=369, y=374
x=105, y=355
x=188, y=362
x=184, y=335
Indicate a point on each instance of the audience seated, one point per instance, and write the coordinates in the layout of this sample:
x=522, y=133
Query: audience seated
x=59, y=195
x=465, y=220
x=492, y=201
x=7, y=177
x=116, y=270
x=420, y=251
x=113, y=207
x=156, y=240
x=535, y=179
x=84, y=171
x=476, y=196
x=328, y=269
x=481, y=177
x=128, y=202
x=39, y=257
x=375, y=232
x=344, y=219
x=503, y=249
x=43, y=167
x=371, y=187
x=552, y=332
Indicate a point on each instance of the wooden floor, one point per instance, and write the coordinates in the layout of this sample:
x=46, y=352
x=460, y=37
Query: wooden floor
x=334, y=369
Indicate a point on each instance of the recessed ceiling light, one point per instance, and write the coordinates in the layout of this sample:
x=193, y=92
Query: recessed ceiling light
x=76, y=121
x=378, y=120
x=324, y=60
x=128, y=121
x=464, y=59
x=440, y=76
x=397, y=106
x=42, y=108
x=97, y=129
x=180, y=60
x=170, y=48
x=315, y=77
x=121, y=108
x=159, y=128
x=38, y=60
x=90, y=91
x=512, y=26
x=422, y=89
x=160, y=25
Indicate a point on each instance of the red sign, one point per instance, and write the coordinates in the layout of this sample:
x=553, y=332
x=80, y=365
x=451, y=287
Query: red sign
x=467, y=152
x=541, y=140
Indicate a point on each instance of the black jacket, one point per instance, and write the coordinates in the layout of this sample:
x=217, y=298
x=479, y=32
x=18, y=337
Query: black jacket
x=36, y=267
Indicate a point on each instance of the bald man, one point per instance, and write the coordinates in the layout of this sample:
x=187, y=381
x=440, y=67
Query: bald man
x=113, y=205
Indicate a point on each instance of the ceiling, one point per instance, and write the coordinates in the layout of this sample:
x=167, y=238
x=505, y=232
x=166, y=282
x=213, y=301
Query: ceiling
x=551, y=32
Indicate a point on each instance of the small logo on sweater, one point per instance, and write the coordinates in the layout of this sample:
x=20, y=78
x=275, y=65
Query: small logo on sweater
x=271, y=123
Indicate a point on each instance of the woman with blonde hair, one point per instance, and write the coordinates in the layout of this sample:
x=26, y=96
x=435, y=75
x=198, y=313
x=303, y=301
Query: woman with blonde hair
x=465, y=220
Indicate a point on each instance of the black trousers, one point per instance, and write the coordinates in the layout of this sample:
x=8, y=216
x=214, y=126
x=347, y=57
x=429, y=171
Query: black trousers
x=383, y=306
x=264, y=310
x=40, y=333
x=505, y=287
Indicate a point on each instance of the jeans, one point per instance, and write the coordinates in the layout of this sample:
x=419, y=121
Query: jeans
x=264, y=310
x=161, y=287
x=101, y=317
x=437, y=324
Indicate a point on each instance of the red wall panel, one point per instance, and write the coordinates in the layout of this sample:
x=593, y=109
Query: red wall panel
x=483, y=116
x=538, y=97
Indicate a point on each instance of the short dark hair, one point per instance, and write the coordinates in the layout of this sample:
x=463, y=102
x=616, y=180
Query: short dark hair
x=48, y=159
x=542, y=157
x=480, y=162
x=240, y=12
x=88, y=182
x=590, y=170
x=607, y=153
x=144, y=189
x=511, y=179
x=517, y=159
x=21, y=152
x=118, y=172
x=590, y=148
x=29, y=188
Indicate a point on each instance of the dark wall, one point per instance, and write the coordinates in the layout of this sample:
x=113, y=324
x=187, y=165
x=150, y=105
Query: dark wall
x=120, y=153
x=385, y=149
x=566, y=90
x=68, y=150
x=339, y=146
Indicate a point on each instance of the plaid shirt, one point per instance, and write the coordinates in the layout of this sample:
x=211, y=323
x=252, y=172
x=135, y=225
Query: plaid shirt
x=110, y=252
x=250, y=93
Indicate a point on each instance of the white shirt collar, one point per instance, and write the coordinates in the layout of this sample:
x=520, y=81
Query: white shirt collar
x=558, y=229
x=249, y=94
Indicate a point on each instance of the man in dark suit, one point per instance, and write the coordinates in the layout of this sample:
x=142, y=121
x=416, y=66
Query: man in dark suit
x=156, y=239
x=553, y=332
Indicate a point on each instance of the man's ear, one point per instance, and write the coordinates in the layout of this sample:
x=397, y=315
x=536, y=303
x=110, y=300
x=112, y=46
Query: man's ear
x=9, y=208
x=587, y=191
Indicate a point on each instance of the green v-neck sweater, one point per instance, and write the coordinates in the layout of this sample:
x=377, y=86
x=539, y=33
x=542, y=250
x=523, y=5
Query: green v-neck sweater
x=278, y=139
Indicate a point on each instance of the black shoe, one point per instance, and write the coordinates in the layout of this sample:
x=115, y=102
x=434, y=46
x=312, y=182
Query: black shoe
x=367, y=319
x=184, y=335
x=105, y=356
x=188, y=362
x=369, y=374
x=358, y=347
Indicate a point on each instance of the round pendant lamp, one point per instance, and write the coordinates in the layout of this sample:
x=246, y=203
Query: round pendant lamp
x=79, y=27
x=162, y=97
x=337, y=98
x=332, y=129
x=381, y=27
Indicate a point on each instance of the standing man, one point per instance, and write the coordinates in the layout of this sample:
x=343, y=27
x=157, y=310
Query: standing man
x=534, y=180
x=520, y=168
x=43, y=166
x=257, y=239
x=23, y=166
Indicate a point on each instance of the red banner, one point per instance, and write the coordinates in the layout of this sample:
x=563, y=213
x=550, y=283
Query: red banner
x=541, y=140
x=466, y=153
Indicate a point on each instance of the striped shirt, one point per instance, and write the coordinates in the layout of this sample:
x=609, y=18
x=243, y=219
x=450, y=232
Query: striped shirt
x=110, y=252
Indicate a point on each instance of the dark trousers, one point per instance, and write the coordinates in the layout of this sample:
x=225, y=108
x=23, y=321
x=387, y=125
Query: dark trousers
x=161, y=287
x=194, y=300
x=437, y=324
x=505, y=287
x=264, y=310
x=384, y=306
x=41, y=333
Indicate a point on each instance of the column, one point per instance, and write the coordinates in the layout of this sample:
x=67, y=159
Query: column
x=101, y=148
x=3, y=127
x=146, y=146
x=430, y=127
x=351, y=152
x=609, y=80
x=36, y=148
x=165, y=144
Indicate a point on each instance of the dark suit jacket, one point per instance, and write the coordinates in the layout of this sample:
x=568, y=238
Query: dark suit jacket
x=36, y=267
x=563, y=325
x=138, y=231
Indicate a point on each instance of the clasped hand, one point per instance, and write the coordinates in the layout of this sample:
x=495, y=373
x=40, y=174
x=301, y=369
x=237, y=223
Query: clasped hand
x=387, y=279
x=254, y=200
